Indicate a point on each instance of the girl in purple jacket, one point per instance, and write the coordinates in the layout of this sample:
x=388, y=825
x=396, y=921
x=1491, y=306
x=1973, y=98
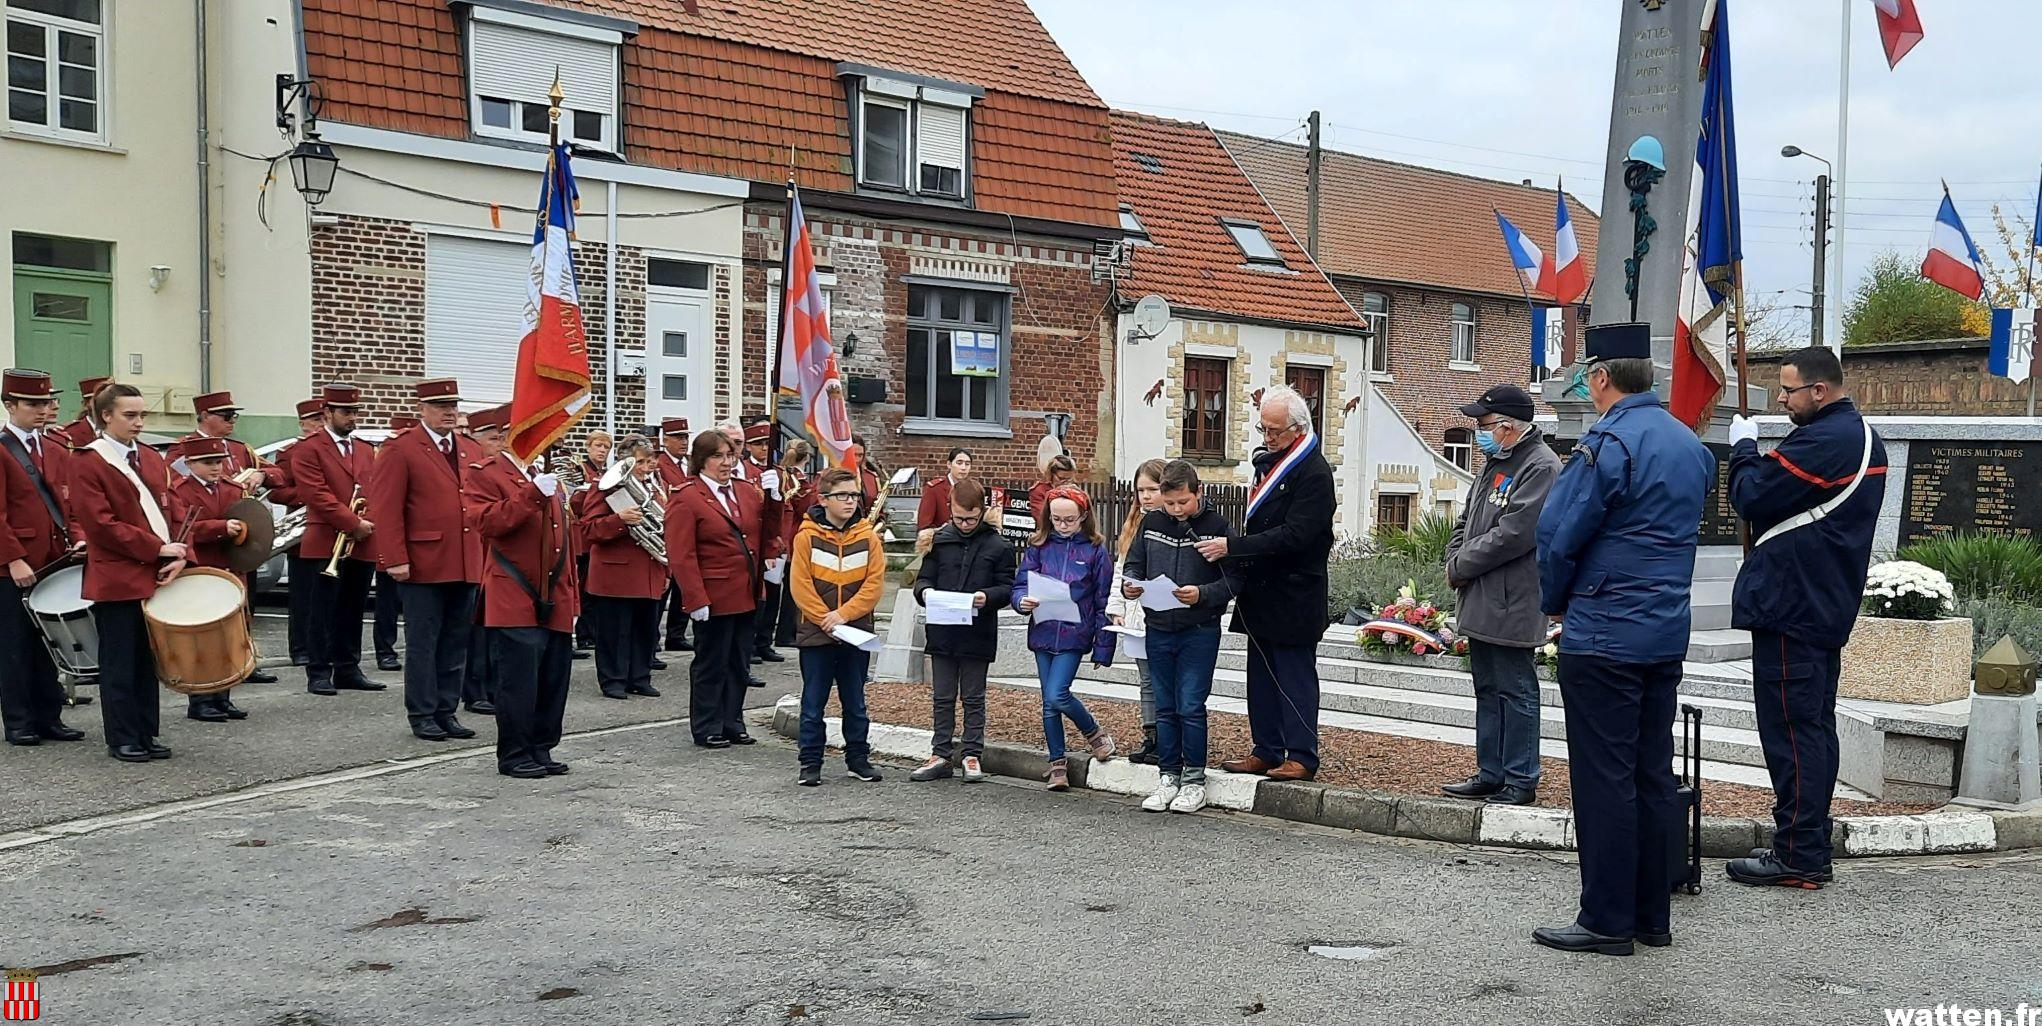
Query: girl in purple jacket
x=1067, y=546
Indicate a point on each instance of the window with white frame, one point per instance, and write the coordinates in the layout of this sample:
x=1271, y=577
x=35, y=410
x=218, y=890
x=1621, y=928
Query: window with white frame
x=474, y=311
x=1375, y=312
x=957, y=355
x=512, y=59
x=1131, y=225
x=776, y=302
x=1464, y=333
x=912, y=137
x=1255, y=246
x=56, y=68
x=1460, y=448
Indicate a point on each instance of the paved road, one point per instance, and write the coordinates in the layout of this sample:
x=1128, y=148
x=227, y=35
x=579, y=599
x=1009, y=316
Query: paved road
x=659, y=883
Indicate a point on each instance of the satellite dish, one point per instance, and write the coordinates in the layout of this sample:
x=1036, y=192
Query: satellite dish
x=1151, y=315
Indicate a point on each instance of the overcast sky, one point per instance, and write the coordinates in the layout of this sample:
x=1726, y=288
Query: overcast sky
x=1511, y=89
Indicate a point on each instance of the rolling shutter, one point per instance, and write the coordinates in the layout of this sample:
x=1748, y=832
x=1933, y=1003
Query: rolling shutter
x=517, y=64
x=475, y=294
x=939, y=136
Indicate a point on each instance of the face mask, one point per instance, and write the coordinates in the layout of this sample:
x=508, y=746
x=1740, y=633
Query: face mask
x=1486, y=441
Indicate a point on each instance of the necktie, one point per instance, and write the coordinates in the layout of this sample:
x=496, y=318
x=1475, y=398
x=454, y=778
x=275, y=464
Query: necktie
x=347, y=449
x=35, y=450
x=729, y=501
x=447, y=450
x=135, y=461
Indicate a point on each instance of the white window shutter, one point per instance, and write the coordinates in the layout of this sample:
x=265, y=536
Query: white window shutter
x=518, y=64
x=475, y=294
x=939, y=136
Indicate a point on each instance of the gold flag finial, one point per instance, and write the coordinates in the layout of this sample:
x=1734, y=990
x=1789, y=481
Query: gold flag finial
x=556, y=94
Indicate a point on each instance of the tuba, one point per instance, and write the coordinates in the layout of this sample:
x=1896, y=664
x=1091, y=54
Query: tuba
x=623, y=490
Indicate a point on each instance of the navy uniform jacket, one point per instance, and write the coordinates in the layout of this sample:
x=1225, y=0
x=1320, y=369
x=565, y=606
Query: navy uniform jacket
x=1617, y=536
x=1809, y=582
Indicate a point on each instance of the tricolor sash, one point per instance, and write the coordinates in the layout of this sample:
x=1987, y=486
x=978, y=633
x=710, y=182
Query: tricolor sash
x=1267, y=486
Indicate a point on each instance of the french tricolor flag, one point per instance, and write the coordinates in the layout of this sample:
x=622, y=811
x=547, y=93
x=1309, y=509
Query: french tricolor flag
x=1953, y=260
x=1570, y=278
x=1531, y=261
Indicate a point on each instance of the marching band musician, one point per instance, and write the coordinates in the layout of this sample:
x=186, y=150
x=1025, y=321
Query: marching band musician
x=759, y=470
x=34, y=534
x=478, y=691
x=311, y=421
x=673, y=473
x=799, y=485
x=595, y=459
x=201, y=499
x=722, y=540
x=868, y=474
x=433, y=554
x=119, y=497
x=383, y=595
x=216, y=413
x=624, y=582
x=758, y=450
x=529, y=602
x=85, y=425
x=334, y=473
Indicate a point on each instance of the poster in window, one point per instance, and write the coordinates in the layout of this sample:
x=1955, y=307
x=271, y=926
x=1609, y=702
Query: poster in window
x=975, y=354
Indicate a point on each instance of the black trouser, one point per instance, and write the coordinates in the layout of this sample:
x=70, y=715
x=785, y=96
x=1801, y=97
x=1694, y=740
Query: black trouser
x=479, y=677
x=1283, y=702
x=1620, y=759
x=532, y=665
x=790, y=618
x=128, y=692
x=676, y=618
x=1793, y=690
x=719, y=676
x=337, y=621
x=389, y=603
x=766, y=619
x=436, y=619
x=30, y=697
x=584, y=632
x=624, y=631
x=304, y=579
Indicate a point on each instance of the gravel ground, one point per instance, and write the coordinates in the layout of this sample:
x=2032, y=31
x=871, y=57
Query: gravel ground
x=1347, y=758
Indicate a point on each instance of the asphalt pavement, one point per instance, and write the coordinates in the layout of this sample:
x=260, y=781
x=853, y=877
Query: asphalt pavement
x=661, y=883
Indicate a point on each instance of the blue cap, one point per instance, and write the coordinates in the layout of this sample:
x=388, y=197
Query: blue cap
x=1626, y=341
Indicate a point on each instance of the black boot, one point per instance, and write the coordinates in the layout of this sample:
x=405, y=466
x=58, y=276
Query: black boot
x=1146, y=754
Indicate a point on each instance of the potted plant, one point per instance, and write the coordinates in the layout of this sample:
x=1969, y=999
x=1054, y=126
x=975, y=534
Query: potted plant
x=1904, y=647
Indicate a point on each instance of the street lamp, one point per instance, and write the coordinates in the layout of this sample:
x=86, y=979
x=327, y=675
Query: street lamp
x=1057, y=423
x=313, y=166
x=1817, y=309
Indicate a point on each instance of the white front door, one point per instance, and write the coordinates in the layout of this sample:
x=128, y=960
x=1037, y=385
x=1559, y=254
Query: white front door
x=679, y=361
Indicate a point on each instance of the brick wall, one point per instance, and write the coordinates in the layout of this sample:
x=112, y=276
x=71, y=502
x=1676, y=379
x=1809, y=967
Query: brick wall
x=1946, y=378
x=1056, y=358
x=1424, y=388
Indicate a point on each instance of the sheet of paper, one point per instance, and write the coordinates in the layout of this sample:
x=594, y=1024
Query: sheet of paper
x=1055, y=600
x=850, y=635
x=1134, y=644
x=1159, y=594
x=949, y=607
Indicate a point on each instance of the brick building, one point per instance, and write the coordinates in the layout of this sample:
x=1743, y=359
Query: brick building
x=1944, y=377
x=1417, y=252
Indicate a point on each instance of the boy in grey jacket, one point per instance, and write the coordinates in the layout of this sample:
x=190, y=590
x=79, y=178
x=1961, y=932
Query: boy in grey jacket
x=1183, y=643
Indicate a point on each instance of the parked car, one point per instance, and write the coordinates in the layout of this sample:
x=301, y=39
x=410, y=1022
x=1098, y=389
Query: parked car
x=274, y=576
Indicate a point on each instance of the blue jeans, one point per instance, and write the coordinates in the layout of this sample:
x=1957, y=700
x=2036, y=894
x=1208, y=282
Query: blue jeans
x=843, y=666
x=1180, y=666
x=1057, y=670
x=1506, y=714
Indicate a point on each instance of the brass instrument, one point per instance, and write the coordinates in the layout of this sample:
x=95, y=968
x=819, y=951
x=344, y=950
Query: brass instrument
x=623, y=490
x=344, y=544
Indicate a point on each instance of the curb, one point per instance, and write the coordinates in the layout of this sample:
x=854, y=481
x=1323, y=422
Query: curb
x=1455, y=821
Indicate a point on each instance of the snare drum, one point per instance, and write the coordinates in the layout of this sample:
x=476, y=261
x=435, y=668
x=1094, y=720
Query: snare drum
x=199, y=633
x=63, y=616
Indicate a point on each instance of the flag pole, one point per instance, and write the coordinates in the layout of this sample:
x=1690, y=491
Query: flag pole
x=1724, y=176
x=1836, y=186
x=2028, y=285
x=776, y=368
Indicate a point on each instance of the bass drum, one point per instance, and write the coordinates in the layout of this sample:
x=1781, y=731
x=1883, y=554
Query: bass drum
x=199, y=632
x=63, y=616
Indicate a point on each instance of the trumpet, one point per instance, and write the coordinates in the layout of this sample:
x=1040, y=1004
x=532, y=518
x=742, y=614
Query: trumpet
x=623, y=490
x=344, y=545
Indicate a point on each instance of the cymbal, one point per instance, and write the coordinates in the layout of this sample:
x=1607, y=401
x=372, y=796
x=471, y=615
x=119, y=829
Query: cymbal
x=253, y=549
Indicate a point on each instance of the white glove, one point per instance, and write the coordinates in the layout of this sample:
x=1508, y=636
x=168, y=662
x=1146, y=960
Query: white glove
x=699, y=615
x=1743, y=429
x=770, y=481
x=776, y=569
x=548, y=484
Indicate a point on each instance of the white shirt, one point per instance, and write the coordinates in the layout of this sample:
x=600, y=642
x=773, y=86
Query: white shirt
x=343, y=441
x=30, y=440
x=439, y=440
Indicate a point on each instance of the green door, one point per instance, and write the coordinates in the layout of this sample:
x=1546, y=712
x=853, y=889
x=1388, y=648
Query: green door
x=63, y=324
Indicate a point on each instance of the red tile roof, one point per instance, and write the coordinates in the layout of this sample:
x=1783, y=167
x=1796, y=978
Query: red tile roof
x=1181, y=183
x=1394, y=222
x=736, y=89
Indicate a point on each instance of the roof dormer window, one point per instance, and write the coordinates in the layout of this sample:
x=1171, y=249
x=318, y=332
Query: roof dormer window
x=1254, y=244
x=512, y=58
x=913, y=134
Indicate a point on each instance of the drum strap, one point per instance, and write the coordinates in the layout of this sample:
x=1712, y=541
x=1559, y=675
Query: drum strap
x=42, y=487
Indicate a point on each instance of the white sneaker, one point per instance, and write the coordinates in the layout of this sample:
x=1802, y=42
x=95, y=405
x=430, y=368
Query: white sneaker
x=1190, y=798
x=973, y=772
x=1166, y=792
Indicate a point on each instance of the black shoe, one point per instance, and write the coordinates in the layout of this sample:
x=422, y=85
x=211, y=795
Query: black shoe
x=322, y=688
x=621, y=696
x=357, y=682
x=128, y=753
x=862, y=771
x=579, y=654
x=454, y=729
x=756, y=659
x=157, y=750
x=389, y=664
x=428, y=732
x=658, y=663
x=73, y=701
x=208, y=713
x=1573, y=937
x=320, y=682
x=1473, y=787
x=24, y=738
x=1768, y=871
x=755, y=682
x=646, y=690
x=1146, y=754
x=1513, y=796
x=1825, y=876
x=260, y=677
x=59, y=732
x=555, y=769
x=677, y=645
x=712, y=741
x=771, y=656
x=811, y=776
x=301, y=660
x=1656, y=939
x=523, y=771
x=234, y=712
x=482, y=707
x=743, y=739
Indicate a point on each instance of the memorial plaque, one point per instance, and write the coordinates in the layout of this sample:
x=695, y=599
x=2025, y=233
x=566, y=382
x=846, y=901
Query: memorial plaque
x=1720, y=525
x=1972, y=488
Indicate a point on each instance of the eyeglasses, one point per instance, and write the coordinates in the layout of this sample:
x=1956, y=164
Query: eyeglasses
x=1067, y=521
x=1784, y=390
x=1266, y=430
x=963, y=521
x=230, y=415
x=845, y=495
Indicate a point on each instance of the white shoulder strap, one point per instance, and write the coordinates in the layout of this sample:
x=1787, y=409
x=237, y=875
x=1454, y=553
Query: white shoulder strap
x=1803, y=519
